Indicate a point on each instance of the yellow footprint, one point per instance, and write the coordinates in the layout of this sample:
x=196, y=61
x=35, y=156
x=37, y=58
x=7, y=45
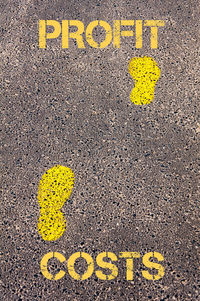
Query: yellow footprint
x=146, y=73
x=54, y=189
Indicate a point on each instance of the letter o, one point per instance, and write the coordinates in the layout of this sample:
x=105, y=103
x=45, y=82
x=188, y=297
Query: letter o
x=71, y=262
x=90, y=29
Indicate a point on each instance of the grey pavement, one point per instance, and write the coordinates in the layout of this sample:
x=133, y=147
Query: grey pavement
x=135, y=166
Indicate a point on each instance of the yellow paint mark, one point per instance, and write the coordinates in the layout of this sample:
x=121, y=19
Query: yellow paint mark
x=108, y=34
x=54, y=189
x=129, y=262
x=153, y=265
x=44, y=265
x=154, y=24
x=106, y=265
x=52, y=35
x=71, y=269
x=146, y=73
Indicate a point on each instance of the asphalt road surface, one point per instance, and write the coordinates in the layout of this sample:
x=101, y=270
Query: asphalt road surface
x=135, y=166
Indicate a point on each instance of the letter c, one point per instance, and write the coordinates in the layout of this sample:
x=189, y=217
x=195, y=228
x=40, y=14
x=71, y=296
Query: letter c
x=44, y=263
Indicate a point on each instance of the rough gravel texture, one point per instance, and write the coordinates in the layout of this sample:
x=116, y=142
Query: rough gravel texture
x=135, y=166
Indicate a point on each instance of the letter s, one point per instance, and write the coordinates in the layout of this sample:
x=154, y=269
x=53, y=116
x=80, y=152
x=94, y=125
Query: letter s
x=153, y=265
x=107, y=265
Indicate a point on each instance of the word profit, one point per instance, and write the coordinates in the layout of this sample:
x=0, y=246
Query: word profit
x=112, y=34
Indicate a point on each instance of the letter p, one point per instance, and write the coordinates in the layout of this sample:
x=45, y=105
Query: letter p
x=43, y=35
